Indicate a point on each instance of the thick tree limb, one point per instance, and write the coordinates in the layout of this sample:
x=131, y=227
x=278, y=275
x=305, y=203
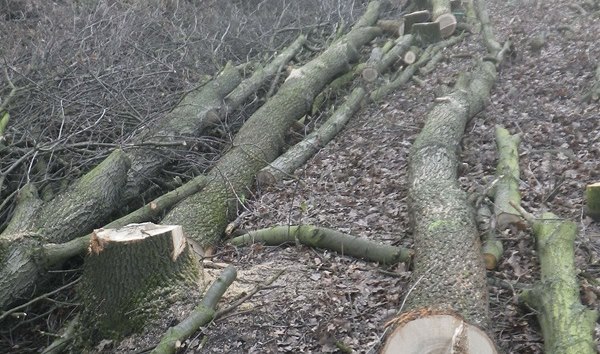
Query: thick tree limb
x=202, y=314
x=197, y=111
x=329, y=239
x=249, y=86
x=297, y=155
x=507, y=172
x=567, y=325
x=204, y=216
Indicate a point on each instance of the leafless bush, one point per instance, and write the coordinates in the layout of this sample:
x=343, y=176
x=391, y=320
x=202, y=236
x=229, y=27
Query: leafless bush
x=91, y=73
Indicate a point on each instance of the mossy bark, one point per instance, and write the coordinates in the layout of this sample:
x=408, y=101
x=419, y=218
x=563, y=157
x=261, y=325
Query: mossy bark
x=507, y=172
x=133, y=274
x=204, y=216
x=86, y=204
x=567, y=325
x=449, y=272
x=592, y=201
x=328, y=239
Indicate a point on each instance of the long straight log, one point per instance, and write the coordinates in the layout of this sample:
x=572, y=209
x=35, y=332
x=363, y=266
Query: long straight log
x=449, y=274
x=204, y=216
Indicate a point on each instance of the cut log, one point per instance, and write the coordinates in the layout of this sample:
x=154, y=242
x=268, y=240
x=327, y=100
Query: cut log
x=410, y=57
x=205, y=215
x=392, y=54
x=370, y=73
x=447, y=24
x=449, y=273
x=492, y=247
x=567, y=325
x=329, y=239
x=128, y=275
x=409, y=71
x=438, y=333
x=507, y=188
x=415, y=17
x=427, y=33
x=592, y=199
x=394, y=28
x=297, y=155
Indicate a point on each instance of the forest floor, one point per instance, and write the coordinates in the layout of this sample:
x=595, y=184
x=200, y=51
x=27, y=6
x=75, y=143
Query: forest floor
x=357, y=184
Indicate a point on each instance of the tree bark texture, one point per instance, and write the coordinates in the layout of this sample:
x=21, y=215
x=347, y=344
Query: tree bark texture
x=567, y=325
x=130, y=273
x=328, y=239
x=449, y=272
x=204, y=216
x=592, y=201
x=297, y=155
x=196, y=112
x=202, y=315
x=249, y=86
x=86, y=204
x=507, y=172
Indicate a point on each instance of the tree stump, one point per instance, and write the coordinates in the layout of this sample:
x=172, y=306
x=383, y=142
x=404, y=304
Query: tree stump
x=133, y=274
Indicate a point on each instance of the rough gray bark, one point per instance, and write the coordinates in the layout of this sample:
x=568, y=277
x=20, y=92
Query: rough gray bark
x=196, y=112
x=130, y=272
x=86, y=204
x=204, y=216
x=297, y=155
x=449, y=272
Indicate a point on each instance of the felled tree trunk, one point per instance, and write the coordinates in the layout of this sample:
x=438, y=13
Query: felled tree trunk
x=197, y=111
x=297, y=155
x=86, y=204
x=567, y=325
x=449, y=276
x=260, y=140
x=130, y=274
